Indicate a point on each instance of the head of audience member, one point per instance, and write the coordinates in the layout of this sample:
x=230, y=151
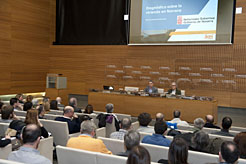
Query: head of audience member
x=126, y=124
x=174, y=86
x=35, y=102
x=53, y=105
x=178, y=151
x=88, y=127
x=46, y=106
x=59, y=100
x=209, y=119
x=109, y=108
x=228, y=152
x=31, y=136
x=46, y=99
x=199, y=123
x=27, y=106
x=19, y=97
x=226, y=123
x=240, y=140
x=144, y=119
x=139, y=155
x=200, y=141
x=32, y=117
x=29, y=98
x=176, y=114
x=88, y=109
x=151, y=84
x=73, y=102
x=14, y=102
x=41, y=111
x=159, y=117
x=7, y=112
x=131, y=139
x=160, y=127
x=68, y=111
x=1, y=105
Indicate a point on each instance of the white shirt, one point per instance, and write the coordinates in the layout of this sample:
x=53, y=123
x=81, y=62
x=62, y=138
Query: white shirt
x=179, y=122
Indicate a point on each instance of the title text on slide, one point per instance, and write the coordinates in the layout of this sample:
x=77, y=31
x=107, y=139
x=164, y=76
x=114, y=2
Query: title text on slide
x=163, y=9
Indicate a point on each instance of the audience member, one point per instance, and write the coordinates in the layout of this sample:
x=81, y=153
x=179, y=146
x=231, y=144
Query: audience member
x=15, y=103
x=200, y=142
x=5, y=142
x=29, y=98
x=59, y=103
x=229, y=153
x=198, y=124
x=1, y=105
x=8, y=114
x=139, y=155
x=86, y=141
x=46, y=99
x=88, y=109
x=176, y=115
x=158, y=137
x=73, y=103
x=159, y=117
x=144, y=119
x=20, y=98
x=46, y=105
x=27, y=106
x=226, y=125
x=240, y=140
x=28, y=153
x=71, y=119
x=32, y=118
x=210, y=122
x=41, y=111
x=125, y=126
x=53, y=105
x=178, y=152
x=131, y=139
x=35, y=103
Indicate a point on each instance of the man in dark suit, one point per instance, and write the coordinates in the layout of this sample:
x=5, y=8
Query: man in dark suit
x=174, y=90
x=210, y=122
x=72, y=120
x=226, y=124
x=150, y=88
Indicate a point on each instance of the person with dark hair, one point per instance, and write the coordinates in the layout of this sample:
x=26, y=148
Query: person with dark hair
x=139, y=155
x=28, y=153
x=226, y=125
x=131, y=139
x=8, y=114
x=150, y=88
x=1, y=105
x=27, y=106
x=29, y=98
x=72, y=120
x=229, y=153
x=200, y=142
x=125, y=125
x=210, y=122
x=158, y=137
x=15, y=103
x=88, y=109
x=73, y=103
x=20, y=98
x=159, y=117
x=240, y=140
x=176, y=119
x=144, y=119
x=178, y=152
x=53, y=105
x=41, y=111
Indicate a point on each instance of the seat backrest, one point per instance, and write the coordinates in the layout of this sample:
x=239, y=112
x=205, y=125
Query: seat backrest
x=20, y=113
x=110, y=128
x=58, y=129
x=50, y=116
x=135, y=125
x=55, y=112
x=4, y=152
x=106, y=159
x=101, y=132
x=237, y=128
x=67, y=155
x=3, y=161
x=3, y=128
x=114, y=145
x=46, y=147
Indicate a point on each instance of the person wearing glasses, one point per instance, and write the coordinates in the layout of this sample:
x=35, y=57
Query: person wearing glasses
x=174, y=90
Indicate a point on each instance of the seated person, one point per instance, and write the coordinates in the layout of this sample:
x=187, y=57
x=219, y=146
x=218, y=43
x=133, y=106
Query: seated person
x=20, y=98
x=200, y=142
x=53, y=105
x=131, y=139
x=240, y=140
x=125, y=126
x=27, y=106
x=210, y=122
x=41, y=111
x=59, y=104
x=8, y=114
x=73, y=103
x=158, y=137
x=159, y=117
x=14, y=102
x=174, y=90
x=71, y=119
x=28, y=153
x=226, y=125
x=144, y=119
x=176, y=119
x=139, y=155
x=228, y=153
x=88, y=109
x=1, y=105
x=86, y=140
x=178, y=152
x=150, y=88
x=5, y=142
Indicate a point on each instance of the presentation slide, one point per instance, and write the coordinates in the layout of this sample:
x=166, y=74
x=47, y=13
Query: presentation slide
x=181, y=21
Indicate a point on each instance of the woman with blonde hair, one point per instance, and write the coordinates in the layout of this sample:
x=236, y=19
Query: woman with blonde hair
x=32, y=118
x=46, y=106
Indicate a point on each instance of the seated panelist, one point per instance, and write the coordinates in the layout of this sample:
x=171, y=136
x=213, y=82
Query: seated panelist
x=174, y=90
x=150, y=88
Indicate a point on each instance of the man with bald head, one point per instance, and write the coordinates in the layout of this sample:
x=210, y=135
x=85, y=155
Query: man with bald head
x=229, y=153
x=159, y=117
x=174, y=90
x=210, y=122
x=72, y=120
x=125, y=126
